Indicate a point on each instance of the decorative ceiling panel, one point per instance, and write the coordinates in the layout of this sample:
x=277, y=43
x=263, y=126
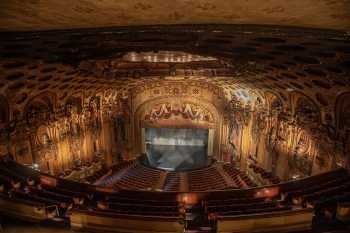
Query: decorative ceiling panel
x=66, y=14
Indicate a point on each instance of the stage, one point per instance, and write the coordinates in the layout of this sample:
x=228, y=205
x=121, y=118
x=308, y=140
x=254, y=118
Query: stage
x=176, y=149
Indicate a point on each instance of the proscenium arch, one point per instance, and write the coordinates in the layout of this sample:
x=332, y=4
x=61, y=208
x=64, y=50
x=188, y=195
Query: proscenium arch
x=216, y=112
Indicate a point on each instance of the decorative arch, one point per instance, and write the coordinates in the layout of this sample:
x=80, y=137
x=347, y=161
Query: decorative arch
x=142, y=113
x=4, y=119
x=39, y=108
x=275, y=103
x=185, y=114
x=342, y=111
x=306, y=111
x=73, y=104
x=4, y=110
x=95, y=103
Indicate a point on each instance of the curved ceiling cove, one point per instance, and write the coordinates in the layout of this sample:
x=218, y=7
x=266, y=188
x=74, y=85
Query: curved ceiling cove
x=64, y=14
x=281, y=60
x=275, y=91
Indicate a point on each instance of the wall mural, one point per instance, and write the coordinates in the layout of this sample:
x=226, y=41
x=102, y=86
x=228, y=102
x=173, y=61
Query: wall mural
x=297, y=141
x=58, y=136
x=235, y=126
x=188, y=111
x=343, y=130
x=4, y=119
x=178, y=114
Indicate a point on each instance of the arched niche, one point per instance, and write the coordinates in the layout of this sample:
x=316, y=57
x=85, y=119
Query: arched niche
x=38, y=146
x=275, y=103
x=94, y=103
x=4, y=111
x=306, y=111
x=39, y=109
x=73, y=105
x=4, y=119
x=178, y=108
x=303, y=146
x=342, y=112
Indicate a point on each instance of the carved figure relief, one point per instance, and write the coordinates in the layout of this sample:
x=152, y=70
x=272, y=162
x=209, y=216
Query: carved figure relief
x=186, y=110
x=307, y=113
x=343, y=128
x=4, y=130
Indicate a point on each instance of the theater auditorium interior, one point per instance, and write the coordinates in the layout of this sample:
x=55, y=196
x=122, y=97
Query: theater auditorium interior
x=182, y=116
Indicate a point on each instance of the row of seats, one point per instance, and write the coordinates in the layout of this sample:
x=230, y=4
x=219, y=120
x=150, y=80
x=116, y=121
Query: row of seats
x=111, y=176
x=251, y=201
x=241, y=179
x=66, y=195
x=83, y=172
x=96, y=176
x=21, y=185
x=268, y=177
x=206, y=179
x=139, y=177
x=323, y=192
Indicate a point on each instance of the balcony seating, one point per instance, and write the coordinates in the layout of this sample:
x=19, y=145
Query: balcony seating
x=135, y=176
x=96, y=175
x=268, y=177
x=122, y=165
x=109, y=178
x=234, y=174
x=99, y=221
x=276, y=221
x=206, y=179
x=24, y=209
x=239, y=178
x=139, y=178
x=313, y=180
x=88, y=172
x=247, y=180
x=297, y=191
x=26, y=196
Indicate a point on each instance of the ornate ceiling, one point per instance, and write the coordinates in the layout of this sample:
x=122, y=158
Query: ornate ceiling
x=264, y=59
x=64, y=14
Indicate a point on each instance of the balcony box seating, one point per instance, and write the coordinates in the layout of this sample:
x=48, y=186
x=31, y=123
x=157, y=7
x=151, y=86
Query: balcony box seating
x=98, y=221
x=289, y=188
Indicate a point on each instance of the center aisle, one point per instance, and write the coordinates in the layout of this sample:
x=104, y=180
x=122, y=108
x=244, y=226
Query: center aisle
x=184, y=184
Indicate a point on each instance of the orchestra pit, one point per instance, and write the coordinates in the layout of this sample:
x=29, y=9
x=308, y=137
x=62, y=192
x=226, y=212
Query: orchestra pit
x=182, y=116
